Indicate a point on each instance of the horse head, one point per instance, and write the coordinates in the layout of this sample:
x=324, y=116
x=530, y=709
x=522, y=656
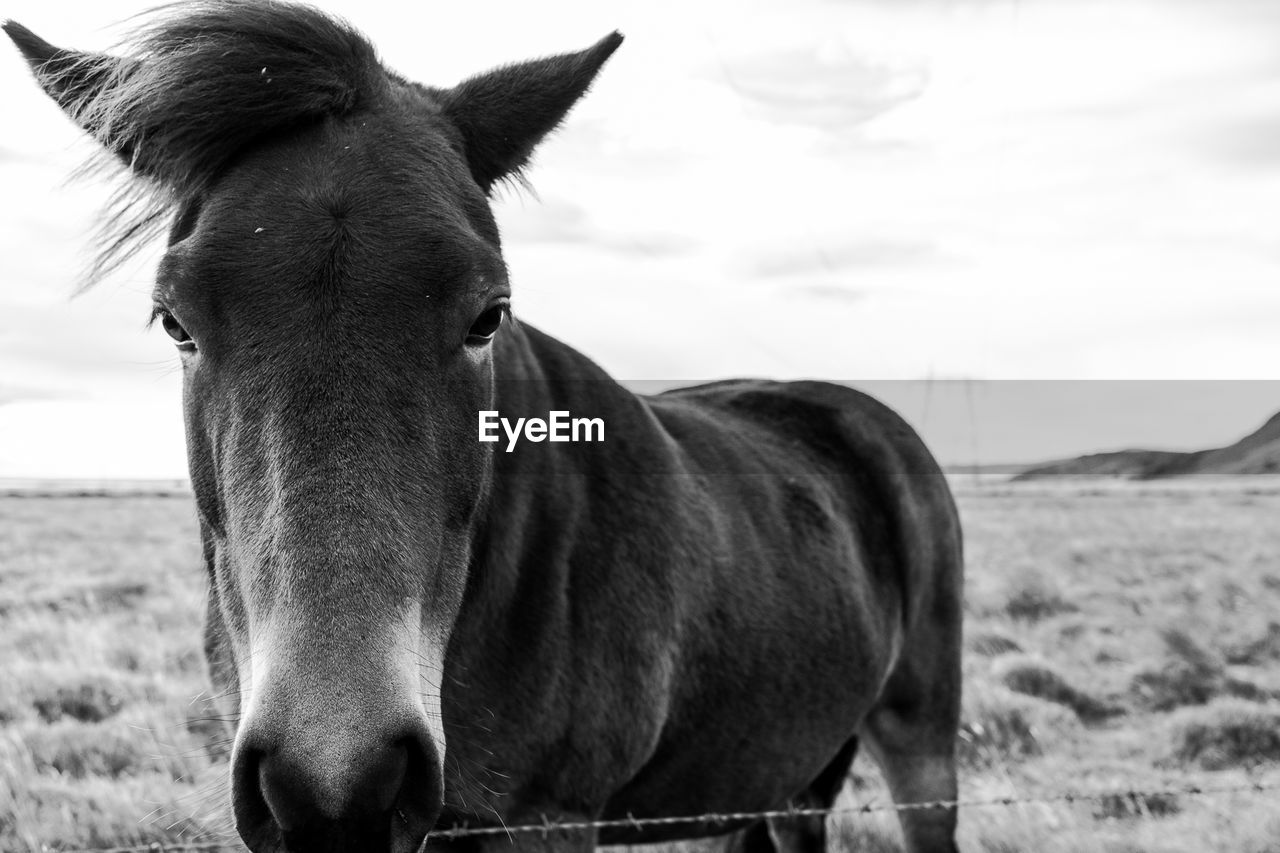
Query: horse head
x=334, y=284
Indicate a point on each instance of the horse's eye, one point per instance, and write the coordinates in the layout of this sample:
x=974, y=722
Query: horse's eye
x=487, y=324
x=173, y=328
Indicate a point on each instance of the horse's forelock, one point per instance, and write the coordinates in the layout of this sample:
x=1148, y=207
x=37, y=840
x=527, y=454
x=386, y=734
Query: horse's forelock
x=198, y=84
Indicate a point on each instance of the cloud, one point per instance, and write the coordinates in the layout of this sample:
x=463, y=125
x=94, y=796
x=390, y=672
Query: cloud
x=1246, y=143
x=833, y=292
x=10, y=394
x=828, y=258
x=564, y=223
x=811, y=86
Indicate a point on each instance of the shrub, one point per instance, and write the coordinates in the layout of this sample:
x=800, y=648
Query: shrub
x=1260, y=650
x=999, y=725
x=1242, y=688
x=1226, y=733
x=1039, y=679
x=1191, y=674
x=1136, y=805
x=1032, y=597
x=89, y=701
x=992, y=644
x=81, y=751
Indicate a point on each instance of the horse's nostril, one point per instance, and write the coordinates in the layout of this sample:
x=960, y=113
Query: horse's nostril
x=253, y=817
x=421, y=796
x=300, y=793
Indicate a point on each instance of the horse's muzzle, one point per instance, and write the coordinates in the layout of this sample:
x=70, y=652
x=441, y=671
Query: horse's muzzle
x=347, y=792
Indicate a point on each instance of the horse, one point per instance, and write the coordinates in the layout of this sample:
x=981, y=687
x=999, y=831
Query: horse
x=415, y=630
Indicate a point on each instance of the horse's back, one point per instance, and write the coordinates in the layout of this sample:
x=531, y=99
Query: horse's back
x=818, y=430
x=886, y=482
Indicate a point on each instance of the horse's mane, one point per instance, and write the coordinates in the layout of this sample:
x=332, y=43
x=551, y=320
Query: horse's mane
x=196, y=84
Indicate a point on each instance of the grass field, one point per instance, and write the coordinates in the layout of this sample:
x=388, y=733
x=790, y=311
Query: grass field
x=1118, y=636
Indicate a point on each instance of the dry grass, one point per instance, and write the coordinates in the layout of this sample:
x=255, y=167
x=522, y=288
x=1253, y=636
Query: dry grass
x=99, y=662
x=1228, y=733
x=1116, y=638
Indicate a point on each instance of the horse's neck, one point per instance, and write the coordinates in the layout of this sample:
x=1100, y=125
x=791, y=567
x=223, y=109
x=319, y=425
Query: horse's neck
x=540, y=488
x=537, y=374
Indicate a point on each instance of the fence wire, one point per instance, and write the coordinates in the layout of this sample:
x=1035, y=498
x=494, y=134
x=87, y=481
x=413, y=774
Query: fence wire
x=548, y=827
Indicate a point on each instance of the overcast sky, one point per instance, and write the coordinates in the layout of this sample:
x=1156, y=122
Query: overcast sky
x=845, y=190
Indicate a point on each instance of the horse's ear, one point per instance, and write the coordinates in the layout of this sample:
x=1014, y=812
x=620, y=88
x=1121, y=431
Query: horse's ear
x=505, y=113
x=76, y=80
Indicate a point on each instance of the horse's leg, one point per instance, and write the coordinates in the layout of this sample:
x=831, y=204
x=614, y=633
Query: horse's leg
x=754, y=839
x=808, y=834
x=801, y=834
x=912, y=734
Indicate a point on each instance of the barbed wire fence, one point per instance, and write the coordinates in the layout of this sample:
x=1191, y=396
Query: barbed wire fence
x=1138, y=797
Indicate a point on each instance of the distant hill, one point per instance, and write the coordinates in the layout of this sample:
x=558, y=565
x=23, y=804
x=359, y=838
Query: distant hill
x=1256, y=453
x=81, y=488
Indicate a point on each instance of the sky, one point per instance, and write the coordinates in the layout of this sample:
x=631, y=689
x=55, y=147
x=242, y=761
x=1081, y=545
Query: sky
x=956, y=204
